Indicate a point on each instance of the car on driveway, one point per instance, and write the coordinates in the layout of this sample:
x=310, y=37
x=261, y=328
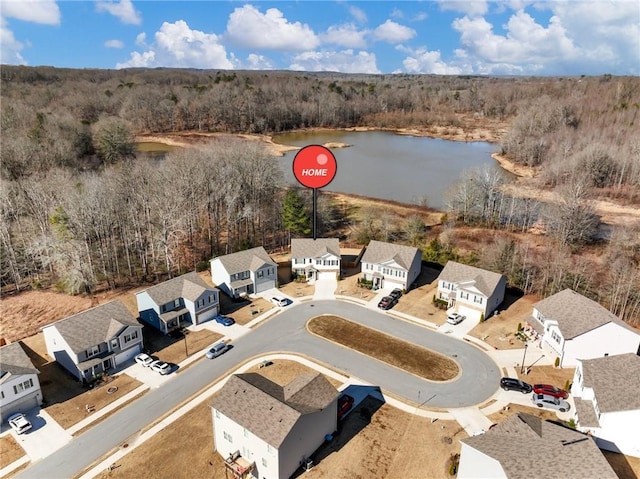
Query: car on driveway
x=278, y=301
x=550, y=390
x=513, y=384
x=224, y=320
x=144, y=359
x=345, y=402
x=544, y=400
x=217, y=350
x=396, y=294
x=19, y=423
x=160, y=367
x=387, y=302
x=455, y=318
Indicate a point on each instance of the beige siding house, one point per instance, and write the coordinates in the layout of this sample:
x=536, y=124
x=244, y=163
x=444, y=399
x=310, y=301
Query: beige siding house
x=244, y=272
x=312, y=257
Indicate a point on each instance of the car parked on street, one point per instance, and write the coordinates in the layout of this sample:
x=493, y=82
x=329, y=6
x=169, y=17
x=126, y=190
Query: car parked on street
x=144, y=359
x=396, y=294
x=345, y=402
x=544, y=400
x=550, y=390
x=224, y=320
x=19, y=423
x=160, y=367
x=217, y=349
x=513, y=384
x=455, y=318
x=387, y=302
x=278, y=301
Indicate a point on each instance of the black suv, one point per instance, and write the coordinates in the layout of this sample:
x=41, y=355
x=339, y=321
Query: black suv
x=512, y=384
x=396, y=293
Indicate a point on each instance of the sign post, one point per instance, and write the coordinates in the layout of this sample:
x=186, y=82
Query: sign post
x=314, y=166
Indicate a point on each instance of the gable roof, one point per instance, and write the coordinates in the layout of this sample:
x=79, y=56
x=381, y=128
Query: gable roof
x=247, y=260
x=269, y=410
x=310, y=248
x=379, y=252
x=485, y=281
x=575, y=314
x=189, y=286
x=526, y=446
x=14, y=361
x=615, y=381
x=95, y=325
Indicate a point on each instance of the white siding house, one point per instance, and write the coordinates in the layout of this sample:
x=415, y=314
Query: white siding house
x=310, y=257
x=390, y=265
x=470, y=291
x=574, y=327
x=607, y=397
x=185, y=299
x=94, y=341
x=19, y=385
x=525, y=446
x=268, y=431
x=245, y=272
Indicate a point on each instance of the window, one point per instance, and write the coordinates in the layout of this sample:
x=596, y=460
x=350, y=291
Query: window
x=269, y=449
x=2, y=394
x=246, y=432
x=477, y=299
x=93, y=351
x=227, y=436
x=18, y=388
x=264, y=462
x=260, y=274
x=212, y=298
x=130, y=337
x=556, y=337
x=464, y=295
x=176, y=303
x=217, y=414
x=114, y=343
x=163, y=308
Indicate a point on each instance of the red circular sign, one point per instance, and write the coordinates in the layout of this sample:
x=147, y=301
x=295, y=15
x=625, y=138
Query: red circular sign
x=314, y=166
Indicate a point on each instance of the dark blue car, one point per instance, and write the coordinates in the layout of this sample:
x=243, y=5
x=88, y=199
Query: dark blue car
x=224, y=320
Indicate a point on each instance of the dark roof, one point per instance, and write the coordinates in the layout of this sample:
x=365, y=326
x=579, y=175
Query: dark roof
x=485, y=281
x=247, y=260
x=314, y=248
x=14, y=361
x=526, y=447
x=615, y=381
x=380, y=252
x=95, y=325
x=189, y=286
x=269, y=410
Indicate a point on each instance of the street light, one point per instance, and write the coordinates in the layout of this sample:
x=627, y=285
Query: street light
x=523, y=356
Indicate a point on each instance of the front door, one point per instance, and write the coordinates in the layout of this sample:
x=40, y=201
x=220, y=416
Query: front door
x=106, y=364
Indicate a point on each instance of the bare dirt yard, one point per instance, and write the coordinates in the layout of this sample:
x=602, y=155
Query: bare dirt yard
x=10, y=450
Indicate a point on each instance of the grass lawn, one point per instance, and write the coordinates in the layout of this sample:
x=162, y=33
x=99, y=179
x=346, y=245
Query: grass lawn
x=10, y=450
x=409, y=357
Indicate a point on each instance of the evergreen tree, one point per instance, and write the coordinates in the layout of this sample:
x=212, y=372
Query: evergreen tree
x=295, y=216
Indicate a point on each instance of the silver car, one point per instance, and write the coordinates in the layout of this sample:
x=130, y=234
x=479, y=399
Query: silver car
x=544, y=400
x=217, y=350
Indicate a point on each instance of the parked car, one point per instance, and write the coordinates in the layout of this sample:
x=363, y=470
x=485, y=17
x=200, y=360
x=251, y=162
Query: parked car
x=396, y=294
x=19, y=423
x=455, y=318
x=217, y=350
x=550, y=391
x=544, y=400
x=387, y=302
x=278, y=301
x=160, y=367
x=345, y=402
x=144, y=359
x=513, y=384
x=224, y=320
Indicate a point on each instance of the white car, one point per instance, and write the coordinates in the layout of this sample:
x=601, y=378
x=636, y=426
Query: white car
x=19, y=423
x=455, y=318
x=144, y=359
x=544, y=400
x=279, y=301
x=160, y=367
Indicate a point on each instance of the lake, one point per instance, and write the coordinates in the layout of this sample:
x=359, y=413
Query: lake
x=384, y=165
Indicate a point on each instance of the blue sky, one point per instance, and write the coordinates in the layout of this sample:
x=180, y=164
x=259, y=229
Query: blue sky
x=512, y=37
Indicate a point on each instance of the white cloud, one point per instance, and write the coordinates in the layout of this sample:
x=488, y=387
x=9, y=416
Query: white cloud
x=141, y=39
x=358, y=14
x=344, y=61
x=471, y=8
x=41, y=11
x=248, y=27
x=420, y=16
x=123, y=10
x=393, y=32
x=346, y=35
x=114, y=44
x=177, y=45
x=10, y=48
x=424, y=61
x=258, y=62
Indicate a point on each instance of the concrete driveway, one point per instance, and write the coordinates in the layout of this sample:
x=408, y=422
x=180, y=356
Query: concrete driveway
x=44, y=438
x=325, y=286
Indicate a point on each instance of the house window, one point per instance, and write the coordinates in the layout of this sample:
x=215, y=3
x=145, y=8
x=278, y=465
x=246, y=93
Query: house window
x=93, y=351
x=246, y=432
x=227, y=437
x=130, y=337
x=464, y=295
x=2, y=394
x=114, y=343
x=556, y=337
x=264, y=462
x=176, y=303
x=260, y=274
x=163, y=308
x=217, y=414
x=269, y=449
x=212, y=298
x=477, y=299
x=18, y=388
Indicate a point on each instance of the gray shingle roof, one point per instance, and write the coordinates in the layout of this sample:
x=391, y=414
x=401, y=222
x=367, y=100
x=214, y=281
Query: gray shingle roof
x=528, y=447
x=14, y=361
x=575, y=314
x=310, y=248
x=247, y=260
x=485, y=281
x=615, y=381
x=586, y=413
x=95, y=325
x=188, y=286
x=269, y=410
x=379, y=252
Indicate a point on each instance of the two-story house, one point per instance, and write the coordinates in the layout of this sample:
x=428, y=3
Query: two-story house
x=185, y=299
x=390, y=265
x=94, y=341
x=19, y=385
x=266, y=430
x=470, y=291
x=575, y=327
x=606, y=392
x=312, y=257
x=244, y=272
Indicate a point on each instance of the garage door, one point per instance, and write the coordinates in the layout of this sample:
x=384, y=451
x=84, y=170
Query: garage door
x=470, y=313
x=260, y=287
x=128, y=354
x=207, y=315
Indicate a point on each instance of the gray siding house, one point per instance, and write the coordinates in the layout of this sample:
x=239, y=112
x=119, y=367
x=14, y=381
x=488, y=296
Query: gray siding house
x=185, y=299
x=19, y=385
x=94, y=341
x=391, y=265
x=245, y=272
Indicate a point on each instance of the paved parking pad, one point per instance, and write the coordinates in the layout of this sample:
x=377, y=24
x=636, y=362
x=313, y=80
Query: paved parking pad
x=45, y=437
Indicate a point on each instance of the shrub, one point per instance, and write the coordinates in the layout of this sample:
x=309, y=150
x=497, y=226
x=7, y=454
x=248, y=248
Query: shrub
x=482, y=318
x=572, y=423
x=202, y=266
x=556, y=363
x=567, y=385
x=519, y=327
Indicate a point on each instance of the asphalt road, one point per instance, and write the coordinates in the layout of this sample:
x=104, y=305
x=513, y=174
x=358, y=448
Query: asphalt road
x=285, y=332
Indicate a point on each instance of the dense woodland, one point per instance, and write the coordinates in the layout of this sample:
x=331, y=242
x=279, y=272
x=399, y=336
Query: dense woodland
x=81, y=211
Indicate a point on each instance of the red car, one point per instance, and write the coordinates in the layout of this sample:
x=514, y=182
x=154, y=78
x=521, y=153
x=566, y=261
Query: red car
x=344, y=404
x=550, y=390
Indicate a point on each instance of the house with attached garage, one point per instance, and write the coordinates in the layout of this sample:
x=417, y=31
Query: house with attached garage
x=185, y=300
x=265, y=430
x=312, y=257
x=245, y=272
x=95, y=341
x=19, y=385
x=470, y=291
x=606, y=392
x=525, y=446
x=574, y=327
x=390, y=265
